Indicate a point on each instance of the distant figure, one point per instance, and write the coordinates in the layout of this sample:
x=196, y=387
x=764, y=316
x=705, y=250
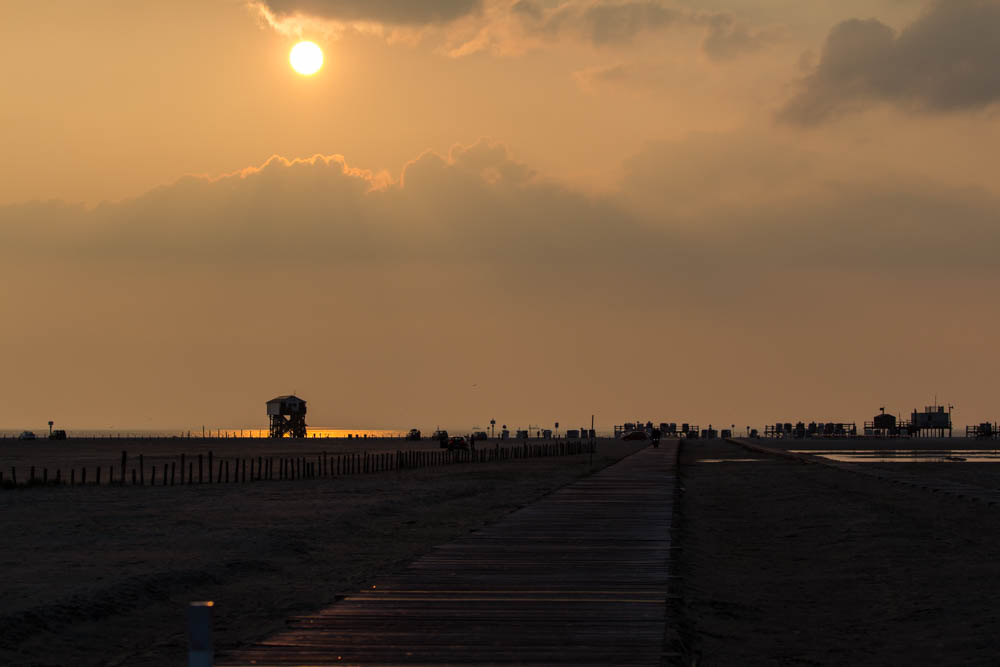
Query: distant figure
x=654, y=436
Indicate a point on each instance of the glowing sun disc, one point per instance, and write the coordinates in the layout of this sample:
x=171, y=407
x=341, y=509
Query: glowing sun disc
x=306, y=58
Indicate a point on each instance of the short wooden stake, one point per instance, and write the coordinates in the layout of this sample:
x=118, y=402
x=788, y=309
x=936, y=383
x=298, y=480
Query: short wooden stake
x=200, y=649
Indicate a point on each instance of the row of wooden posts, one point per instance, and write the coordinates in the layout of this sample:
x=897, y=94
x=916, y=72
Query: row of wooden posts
x=211, y=470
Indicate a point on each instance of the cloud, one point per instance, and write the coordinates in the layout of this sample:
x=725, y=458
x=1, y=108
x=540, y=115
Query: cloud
x=618, y=23
x=504, y=27
x=477, y=201
x=720, y=198
x=382, y=298
x=944, y=61
x=391, y=12
x=728, y=39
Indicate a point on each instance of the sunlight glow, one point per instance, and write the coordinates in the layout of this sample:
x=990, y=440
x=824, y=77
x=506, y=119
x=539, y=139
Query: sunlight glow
x=306, y=58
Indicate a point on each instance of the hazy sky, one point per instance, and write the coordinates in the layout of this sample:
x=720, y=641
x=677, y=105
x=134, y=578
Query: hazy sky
x=729, y=211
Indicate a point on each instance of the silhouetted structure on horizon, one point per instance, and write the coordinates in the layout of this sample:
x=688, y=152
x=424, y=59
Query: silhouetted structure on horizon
x=983, y=431
x=287, y=415
x=932, y=422
x=812, y=430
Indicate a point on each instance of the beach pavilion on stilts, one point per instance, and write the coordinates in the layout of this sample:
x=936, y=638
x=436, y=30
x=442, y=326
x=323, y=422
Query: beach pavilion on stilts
x=287, y=415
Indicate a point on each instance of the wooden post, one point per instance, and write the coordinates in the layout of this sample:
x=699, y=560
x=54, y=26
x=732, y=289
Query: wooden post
x=124, y=457
x=183, y=468
x=201, y=477
x=133, y=476
x=152, y=476
x=210, y=467
x=200, y=650
x=98, y=476
x=142, y=472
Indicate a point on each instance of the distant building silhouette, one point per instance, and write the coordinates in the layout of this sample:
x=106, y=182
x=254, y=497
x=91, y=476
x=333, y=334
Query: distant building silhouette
x=287, y=415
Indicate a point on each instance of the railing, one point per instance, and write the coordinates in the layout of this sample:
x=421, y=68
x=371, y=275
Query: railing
x=209, y=469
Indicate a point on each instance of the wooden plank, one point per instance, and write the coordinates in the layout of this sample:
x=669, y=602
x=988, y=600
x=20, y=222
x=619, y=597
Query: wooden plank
x=579, y=578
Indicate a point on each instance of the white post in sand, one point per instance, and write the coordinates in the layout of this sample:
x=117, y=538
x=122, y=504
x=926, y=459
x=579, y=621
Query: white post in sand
x=200, y=652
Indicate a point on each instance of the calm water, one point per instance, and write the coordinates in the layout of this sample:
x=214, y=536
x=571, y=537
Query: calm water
x=906, y=455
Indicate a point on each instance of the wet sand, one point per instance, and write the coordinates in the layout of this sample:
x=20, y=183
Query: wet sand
x=784, y=563
x=101, y=576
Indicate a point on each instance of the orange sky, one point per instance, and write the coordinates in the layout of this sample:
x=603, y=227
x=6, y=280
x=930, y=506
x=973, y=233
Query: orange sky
x=729, y=212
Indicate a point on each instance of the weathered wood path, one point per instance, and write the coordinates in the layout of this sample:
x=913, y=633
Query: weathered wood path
x=578, y=578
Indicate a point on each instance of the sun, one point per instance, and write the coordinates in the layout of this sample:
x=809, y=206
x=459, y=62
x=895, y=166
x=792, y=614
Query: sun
x=306, y=58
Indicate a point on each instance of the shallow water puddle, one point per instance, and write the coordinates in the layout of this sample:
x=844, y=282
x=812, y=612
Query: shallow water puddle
x=906, y=455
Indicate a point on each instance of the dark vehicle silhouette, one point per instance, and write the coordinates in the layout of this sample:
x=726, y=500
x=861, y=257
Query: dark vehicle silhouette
x=414, y=434
x=441, y=436
x=457, y=442
x=26, y=435
x=58, y=434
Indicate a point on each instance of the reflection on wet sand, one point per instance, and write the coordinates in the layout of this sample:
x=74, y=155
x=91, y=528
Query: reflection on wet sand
x=906, y=455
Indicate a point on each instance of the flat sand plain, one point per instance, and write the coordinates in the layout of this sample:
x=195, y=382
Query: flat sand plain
x=101, y=576
x=784, y=563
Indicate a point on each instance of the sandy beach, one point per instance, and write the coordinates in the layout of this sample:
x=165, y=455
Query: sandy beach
x=101, y=576
x=784, y=563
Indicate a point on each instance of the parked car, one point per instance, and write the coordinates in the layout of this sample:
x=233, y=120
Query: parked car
x=26, y=435
x=57, y=434
x=457, y=442
x=414, y=434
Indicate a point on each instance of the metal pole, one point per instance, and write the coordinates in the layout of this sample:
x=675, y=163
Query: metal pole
x=200, y=652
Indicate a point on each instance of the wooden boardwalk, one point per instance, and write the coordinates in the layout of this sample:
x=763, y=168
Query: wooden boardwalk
x=577, y=578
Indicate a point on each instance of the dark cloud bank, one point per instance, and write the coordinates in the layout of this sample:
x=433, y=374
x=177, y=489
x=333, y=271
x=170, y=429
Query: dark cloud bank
x=618, y=23
x=946, y=60
x=717, y=200
x=397, y=12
